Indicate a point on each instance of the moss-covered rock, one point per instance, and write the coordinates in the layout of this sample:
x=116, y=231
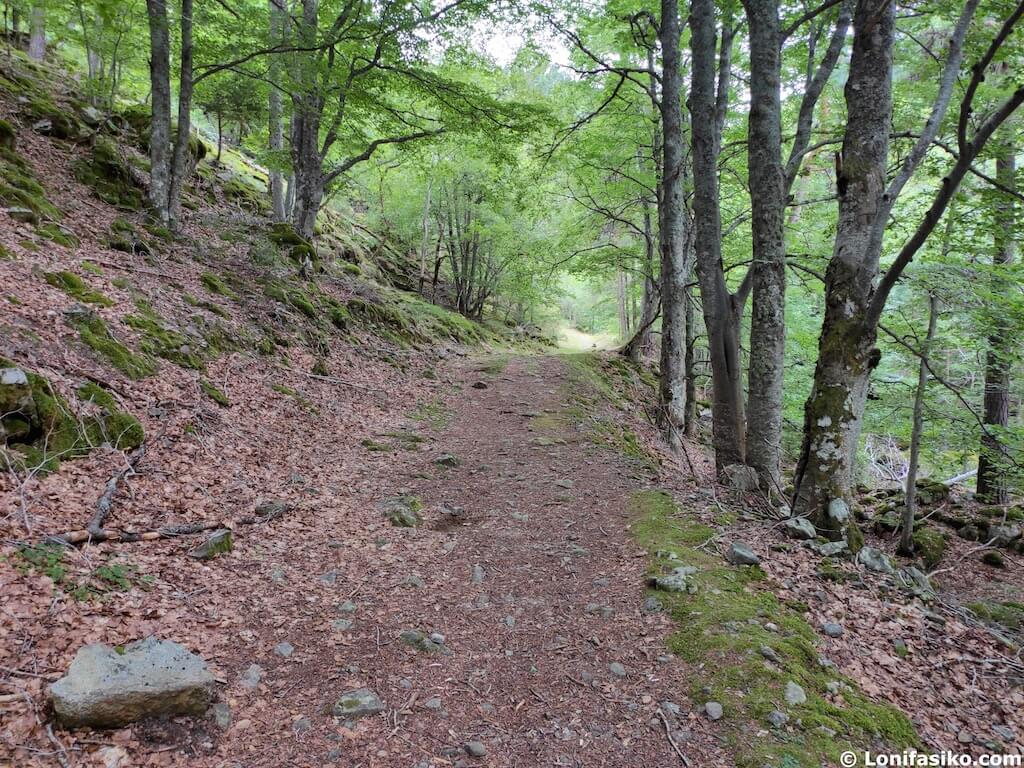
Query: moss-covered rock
x=75, y=287
x=20, y=190
x=930, y=544
x=8, y=136
x=107, y=172
x=162, y=339
x=39, y=428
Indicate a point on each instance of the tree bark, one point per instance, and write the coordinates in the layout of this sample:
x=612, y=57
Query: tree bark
x=160, y=123
x=182, y=159
x=721, y=309
x=672, y=222
x=307, y=113
x=768, y=271
x=991, y=485
x=846, y=347
x=278, y=27
x=690, y=365
x=910, y=498
x=37, y=31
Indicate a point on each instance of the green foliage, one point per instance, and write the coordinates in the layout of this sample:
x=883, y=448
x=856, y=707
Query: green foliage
x=112, y=576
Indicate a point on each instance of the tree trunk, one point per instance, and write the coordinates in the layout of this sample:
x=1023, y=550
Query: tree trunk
x=621, y=296
x=991, y=487
x=275, y=143
x=768, y=272
x=672, y=385
x=182, y=159
x=690, y=366
x=910, y=500
x=220, y=136
x=37, y=31
x=307, y=162
x=846, y=347
x=721, y=309
x=160, y=88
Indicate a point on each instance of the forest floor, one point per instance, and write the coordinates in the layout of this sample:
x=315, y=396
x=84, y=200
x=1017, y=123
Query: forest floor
x=524, y=561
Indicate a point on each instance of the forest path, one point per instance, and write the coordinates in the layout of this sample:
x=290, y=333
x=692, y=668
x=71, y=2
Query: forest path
x=523, y=562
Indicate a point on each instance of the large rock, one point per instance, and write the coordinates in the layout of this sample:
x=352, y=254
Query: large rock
x=108, y=688
x=740, y=553
x=875, y=560
x=800, y=528
x=740, y=477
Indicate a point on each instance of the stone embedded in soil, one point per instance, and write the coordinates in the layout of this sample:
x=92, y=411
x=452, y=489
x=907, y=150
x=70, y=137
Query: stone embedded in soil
x=740, y=553
x=651, y=605
x=476, y=749
x=401, y=513
x=359, y=703
x=222, y=715
x=252, y=676
x=347, y=607
x=800, y=528
x=414, y=581
x=875, y=560
x=794, y=694
x=676, y=581
x=109, y=688
x=597, y=609
x=740, y=477
x=447, y=460
x=617, y=669
x=777, y=719
x=769, y=653
x=270, y=509
x=832, y=629
x=219, y=542
x=284, y=649
x=479, y=574
x=829, y=548
x=713, y=710
x=420, y=642
x=341, y=625
x=330, y=578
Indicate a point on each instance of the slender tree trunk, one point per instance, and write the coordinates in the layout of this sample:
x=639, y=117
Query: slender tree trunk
x=690, y=365
x=37, y=31
x=721, y=310
x=650, y=306
x=846, y=348
x=425, y=241
x=672, y=222
x=620, y=292
x=182, y=160
x=220, y=136
x=307, y=162
x=278, y=27
x=768, y=272
x=910, y=503
x=991, y=487
x=160, y=88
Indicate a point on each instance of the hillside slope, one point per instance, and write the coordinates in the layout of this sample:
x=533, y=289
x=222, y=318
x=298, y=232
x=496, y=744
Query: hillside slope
x=242, y=382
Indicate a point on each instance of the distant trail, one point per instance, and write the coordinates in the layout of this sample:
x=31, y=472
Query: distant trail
x=527, y=570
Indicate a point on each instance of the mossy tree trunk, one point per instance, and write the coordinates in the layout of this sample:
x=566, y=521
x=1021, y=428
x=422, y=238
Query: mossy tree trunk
x=910, y=498
x=672, y=229
x=846, y=347
x=991, y=487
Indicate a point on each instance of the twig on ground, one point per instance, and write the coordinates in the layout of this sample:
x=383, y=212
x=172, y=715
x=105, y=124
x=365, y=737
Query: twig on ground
x=668, y=735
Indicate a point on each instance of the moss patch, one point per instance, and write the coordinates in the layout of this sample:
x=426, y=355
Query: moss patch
x=161, y=339
x=75, y=287
x=721, y=633
x=215, y=284
x=97, y=336
x=214, y=393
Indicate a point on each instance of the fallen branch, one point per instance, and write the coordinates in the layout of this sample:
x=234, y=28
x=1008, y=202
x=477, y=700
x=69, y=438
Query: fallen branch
x=101, y=534
x=106, y=501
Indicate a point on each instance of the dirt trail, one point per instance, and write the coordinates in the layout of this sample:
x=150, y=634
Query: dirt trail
x=552, y=661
